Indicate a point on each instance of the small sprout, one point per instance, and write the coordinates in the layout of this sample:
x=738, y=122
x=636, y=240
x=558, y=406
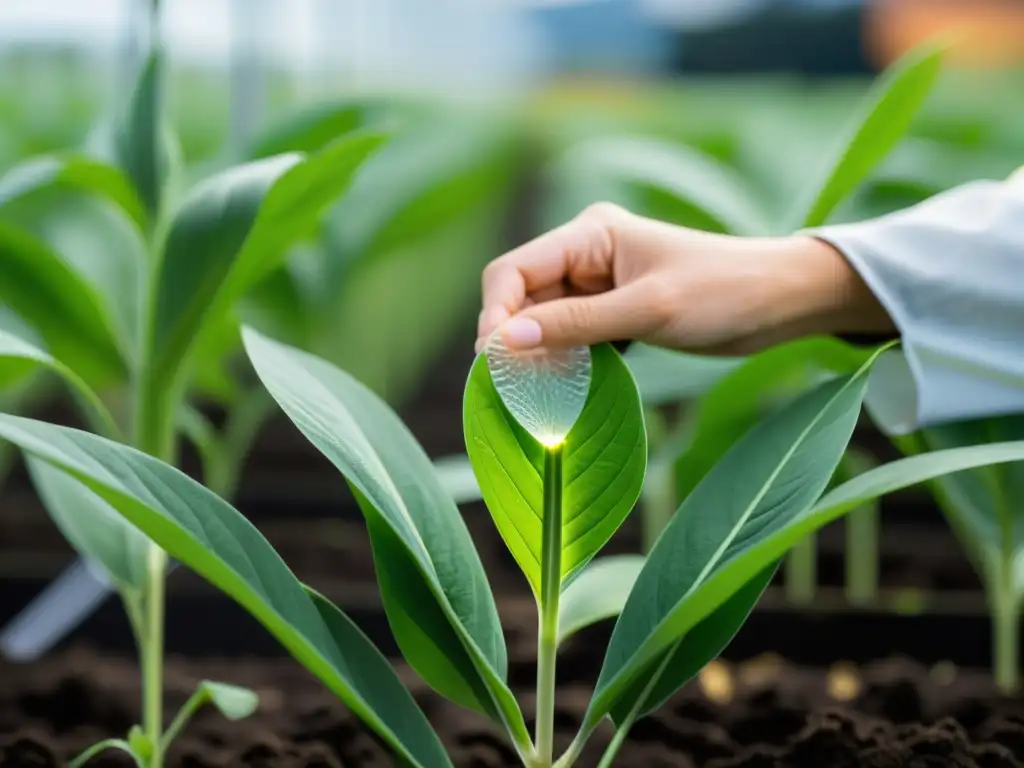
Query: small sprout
x=141, y=746
x=234, y=702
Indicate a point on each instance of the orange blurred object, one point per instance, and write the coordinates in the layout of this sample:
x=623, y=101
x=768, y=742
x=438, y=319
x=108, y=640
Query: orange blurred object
x=986, y=33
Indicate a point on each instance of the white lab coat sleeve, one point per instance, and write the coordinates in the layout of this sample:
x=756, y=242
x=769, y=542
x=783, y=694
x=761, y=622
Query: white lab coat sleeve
x=950, y=272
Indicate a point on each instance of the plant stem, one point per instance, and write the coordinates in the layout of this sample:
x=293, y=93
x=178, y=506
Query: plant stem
x=103, y=746
x=153, y=656
x=154, y=418
x=190, y=707
x=1006, y=622
x=659, y=501
x=862, y=556
x=154, y=434
x=1006, y=642
x=244, y=422
x=551, y=588
x=801, y=571
x=623, y=730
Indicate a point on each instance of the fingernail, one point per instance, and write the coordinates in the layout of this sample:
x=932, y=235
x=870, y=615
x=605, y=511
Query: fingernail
x=521, y=333
x=491, y=319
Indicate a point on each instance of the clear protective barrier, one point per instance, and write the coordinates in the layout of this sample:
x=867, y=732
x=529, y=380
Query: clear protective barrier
x=544, y=389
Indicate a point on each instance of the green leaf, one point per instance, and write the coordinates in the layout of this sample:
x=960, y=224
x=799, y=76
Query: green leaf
x=140, y=144
x=598, y=593
x=693, y=651
x=981, y=504
x=312, y=128
x=422, y=182
x=208, y=535
x=752, y=389
x=234, y=702
x=76, y=172
x=889, y=110
x=94, y=528
x=102, y=246
x=769, y=478
x=757, y=548
x=665, y=376
x=232, y=230
x=906, y=472
x=433, y=585
x=18, y=357
x=676, y=183
x=140, y=744
x=66, y=311
x=12, y=324
x=604, y=459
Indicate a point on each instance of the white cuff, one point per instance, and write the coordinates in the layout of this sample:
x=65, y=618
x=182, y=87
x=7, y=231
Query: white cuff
x=950, y=272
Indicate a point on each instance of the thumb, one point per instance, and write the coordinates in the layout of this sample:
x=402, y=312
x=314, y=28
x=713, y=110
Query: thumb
x=617, y=315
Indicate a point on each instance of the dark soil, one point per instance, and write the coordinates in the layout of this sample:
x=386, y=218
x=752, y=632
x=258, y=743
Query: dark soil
x=761, y=713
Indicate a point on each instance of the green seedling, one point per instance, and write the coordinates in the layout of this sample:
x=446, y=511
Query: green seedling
x=556, y=497
x=981, y=507
x=120, y=291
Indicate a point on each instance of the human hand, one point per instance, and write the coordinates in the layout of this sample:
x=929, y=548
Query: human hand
x=610, y=275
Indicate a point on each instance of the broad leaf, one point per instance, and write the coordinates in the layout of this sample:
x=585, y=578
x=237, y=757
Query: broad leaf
x=891, y=106
x=72, y=172
x=433, y=585
x=770, y=477
x=232, y=230
x=66, y=311
x=693, y=651
x=207, y=534
x=94, y=528
x=232, y=701
x=604, y=459
x=598, y=593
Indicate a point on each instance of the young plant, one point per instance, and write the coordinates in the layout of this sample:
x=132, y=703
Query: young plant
x=366, y=265
x=980, y=506
x=125, y=319
x=679, y=607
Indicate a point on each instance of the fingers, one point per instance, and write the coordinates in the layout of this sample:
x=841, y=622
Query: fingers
x=623, y=313
x=579, y=253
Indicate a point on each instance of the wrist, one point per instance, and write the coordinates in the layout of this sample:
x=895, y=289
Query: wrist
x=821, y=293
